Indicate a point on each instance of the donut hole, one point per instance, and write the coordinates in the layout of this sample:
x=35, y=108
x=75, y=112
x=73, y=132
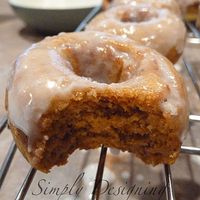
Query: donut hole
x=101, y=65
x=102, y=73
x=137, y=16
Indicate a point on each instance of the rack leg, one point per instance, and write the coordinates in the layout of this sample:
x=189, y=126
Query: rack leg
x=169, y=183
x=26, y=184
x=99, y=174
x=7, y=162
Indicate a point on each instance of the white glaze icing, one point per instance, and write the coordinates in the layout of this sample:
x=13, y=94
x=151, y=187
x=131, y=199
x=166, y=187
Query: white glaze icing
x=149, y=26
x=169, y=4
x=44, y=71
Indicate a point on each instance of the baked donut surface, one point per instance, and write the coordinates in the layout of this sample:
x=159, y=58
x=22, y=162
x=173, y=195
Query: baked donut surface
x=81, y=90
x=156, y=28
x=172, y=5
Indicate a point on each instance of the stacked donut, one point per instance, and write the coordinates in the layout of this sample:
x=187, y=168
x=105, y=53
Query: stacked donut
x=155, y=23
x=103, y=86
x=188, y=9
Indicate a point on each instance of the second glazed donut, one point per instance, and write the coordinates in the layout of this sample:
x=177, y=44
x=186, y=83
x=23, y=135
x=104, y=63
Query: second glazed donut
x=159, y=29
x=171, y=5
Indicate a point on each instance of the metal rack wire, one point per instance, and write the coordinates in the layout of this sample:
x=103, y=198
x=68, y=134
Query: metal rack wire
x=170, y=193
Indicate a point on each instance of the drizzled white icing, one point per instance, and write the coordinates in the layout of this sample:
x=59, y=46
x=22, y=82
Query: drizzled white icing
x=160, y=30
x=46, y=71
x=169, y=4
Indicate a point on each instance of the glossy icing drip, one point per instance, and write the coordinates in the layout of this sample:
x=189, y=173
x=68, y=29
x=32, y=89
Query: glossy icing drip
x=168, y=4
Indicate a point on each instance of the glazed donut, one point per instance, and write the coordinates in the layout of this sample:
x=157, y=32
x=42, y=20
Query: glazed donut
x=172, y=5
x=189, y=9
x=156, y=28
x=81, y=90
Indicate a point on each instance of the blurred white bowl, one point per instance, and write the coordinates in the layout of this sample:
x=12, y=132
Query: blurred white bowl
x=53, y=16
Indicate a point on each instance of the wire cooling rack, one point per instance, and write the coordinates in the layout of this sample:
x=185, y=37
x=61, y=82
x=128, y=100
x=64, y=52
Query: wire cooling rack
x=170, y=193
